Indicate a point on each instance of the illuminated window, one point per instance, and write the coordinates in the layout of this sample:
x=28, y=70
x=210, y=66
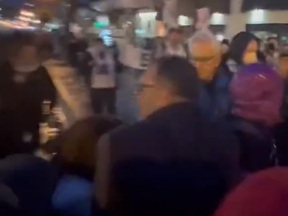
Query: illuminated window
x=217, y=19
x=184, y=21
x=219, y=37
x=257, y=16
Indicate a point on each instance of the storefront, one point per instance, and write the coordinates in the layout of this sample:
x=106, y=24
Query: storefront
x=264, y=31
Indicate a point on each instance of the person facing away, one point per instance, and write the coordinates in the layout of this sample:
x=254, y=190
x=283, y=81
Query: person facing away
x=283, y=69
x=262, y=194
x=103, y=77
x=244, y=49
x=164, y=165
x=172, y=46
x=281, y=130
x=25, y=85
x=215, y=78
x=257, y=94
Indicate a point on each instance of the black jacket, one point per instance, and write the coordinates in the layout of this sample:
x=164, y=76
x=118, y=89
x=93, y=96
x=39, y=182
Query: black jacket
x=21, y=109
x=256, y=144
x=173, y=163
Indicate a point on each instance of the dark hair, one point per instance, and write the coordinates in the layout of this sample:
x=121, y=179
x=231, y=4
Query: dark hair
x=175, y=30
x=19, y=40
x=181, y=75
x=283, y=55
x=270, y=48
x=271, y=38
x=98, y=40
x=225, y=42
x=76, y=146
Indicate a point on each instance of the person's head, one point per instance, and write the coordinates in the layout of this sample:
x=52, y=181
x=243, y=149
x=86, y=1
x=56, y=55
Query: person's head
x=24, y=51
x=169, y=80
x=225, y=46
x=98, y=43
x=175, y=36
x=257, y=94
x=274, y=41
x=270, y=49
x=283, y=64
x=76, y=145
x=244, y=48
x=205, y=54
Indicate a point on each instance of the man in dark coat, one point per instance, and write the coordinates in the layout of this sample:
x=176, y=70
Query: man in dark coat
x=173, y=162
x=24, y=86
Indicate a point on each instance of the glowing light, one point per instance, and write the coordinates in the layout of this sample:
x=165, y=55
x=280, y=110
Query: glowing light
x=219, y=37
x=27, y=13
x=27, y=19
x=217, y=19
x=257, y=16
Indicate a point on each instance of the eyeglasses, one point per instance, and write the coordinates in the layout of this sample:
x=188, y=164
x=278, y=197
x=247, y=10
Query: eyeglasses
x=141, y=87
x=202, y=59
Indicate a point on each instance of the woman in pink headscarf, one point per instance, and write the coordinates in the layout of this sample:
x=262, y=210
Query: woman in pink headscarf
x=257, y=94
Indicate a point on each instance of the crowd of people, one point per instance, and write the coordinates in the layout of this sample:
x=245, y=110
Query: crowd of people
x=210, y=138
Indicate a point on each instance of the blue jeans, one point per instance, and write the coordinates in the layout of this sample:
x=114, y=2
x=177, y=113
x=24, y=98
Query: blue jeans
x=127, y=104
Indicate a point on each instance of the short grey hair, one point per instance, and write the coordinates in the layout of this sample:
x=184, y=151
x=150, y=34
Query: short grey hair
x=204, y=36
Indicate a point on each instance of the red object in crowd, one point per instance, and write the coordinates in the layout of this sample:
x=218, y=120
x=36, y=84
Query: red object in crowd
x=261, y=194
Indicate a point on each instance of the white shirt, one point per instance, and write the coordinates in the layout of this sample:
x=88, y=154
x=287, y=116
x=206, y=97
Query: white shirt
x=103, y=74
x=175, y=52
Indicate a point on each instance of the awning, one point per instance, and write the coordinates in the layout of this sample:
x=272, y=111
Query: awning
x=249, y=5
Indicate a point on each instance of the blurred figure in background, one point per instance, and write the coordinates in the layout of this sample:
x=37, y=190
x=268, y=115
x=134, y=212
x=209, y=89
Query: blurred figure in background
x=27, y=185
x=172, y=46
x=257, y=94
x=76, y=51
x=206, y=56
x=25, y=85
x=244, y=49
x=275, y=42
x=283, y=64
x=73, y=96
x=225, y=46
x=271, y=55
x=103, y=78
